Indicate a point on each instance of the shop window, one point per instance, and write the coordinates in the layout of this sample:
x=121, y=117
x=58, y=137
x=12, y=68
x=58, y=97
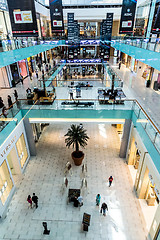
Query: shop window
x=22, y=150
x=6, y=183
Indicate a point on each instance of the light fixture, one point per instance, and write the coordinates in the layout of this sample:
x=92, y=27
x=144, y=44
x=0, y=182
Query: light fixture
x=98, y=120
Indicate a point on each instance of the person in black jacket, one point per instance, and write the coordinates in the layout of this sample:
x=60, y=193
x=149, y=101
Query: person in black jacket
x=103, y=208
x=35, y=200
x=1, y=103
x=15, y=95
x=10, y=104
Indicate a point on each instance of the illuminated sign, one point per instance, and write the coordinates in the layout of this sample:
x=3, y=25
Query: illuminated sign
x=8, y=146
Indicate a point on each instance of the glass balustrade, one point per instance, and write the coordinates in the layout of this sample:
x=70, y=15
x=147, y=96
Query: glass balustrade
x=152, y=44
x=124, y=108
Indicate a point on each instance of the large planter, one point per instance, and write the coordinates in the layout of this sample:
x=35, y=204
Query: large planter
x=77, y=159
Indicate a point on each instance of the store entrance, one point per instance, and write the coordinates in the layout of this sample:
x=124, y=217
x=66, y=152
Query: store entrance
x=148, y=197
x=133, y=159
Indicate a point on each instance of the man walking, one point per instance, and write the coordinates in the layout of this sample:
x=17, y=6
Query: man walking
x=103, y=208
x=35, y=200
x=71, y=94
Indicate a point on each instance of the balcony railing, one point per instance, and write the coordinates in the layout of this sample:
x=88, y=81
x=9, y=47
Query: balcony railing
x=142, y=117
x=152, y=44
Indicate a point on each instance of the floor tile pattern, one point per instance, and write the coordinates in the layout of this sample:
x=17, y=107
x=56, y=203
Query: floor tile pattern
x=44, y=175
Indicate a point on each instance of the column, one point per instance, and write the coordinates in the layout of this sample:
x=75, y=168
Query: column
x=30, y=138
x=125, y=138
x=150, y=20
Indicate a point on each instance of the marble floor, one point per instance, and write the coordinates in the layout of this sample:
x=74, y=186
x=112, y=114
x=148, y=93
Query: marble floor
x=44, y=175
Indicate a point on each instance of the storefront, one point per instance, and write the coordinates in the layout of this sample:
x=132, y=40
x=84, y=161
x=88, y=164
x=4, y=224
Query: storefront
x=144, y=176
x=31, y=64
x=15, y=73
x=23, y=68
x=133, y=65
x=14, y=156
x=155, y=81
x=4, y=80
x=5, y=26
x=6, y=183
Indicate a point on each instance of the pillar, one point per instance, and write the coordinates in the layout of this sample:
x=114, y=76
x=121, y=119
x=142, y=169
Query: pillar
x=151, y=15
x=30, y=137
x=125, y=138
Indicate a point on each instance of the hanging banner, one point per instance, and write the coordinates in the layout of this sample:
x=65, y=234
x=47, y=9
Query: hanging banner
x=71, y=26
x=23, y=18
x=56, y=13
x=109, y=24
x=156, y=20
x=127, y=16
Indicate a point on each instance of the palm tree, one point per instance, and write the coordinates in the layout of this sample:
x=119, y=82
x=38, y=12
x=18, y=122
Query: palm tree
x=76, y=136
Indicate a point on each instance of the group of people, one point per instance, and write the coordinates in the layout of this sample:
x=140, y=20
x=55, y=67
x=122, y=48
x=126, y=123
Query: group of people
x=10, y=103
x=104, y=206
x=78, y=201
x=33, y=199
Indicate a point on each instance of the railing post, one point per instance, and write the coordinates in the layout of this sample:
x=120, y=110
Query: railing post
x=155, y=137
x=139, y=113
x=133, y=105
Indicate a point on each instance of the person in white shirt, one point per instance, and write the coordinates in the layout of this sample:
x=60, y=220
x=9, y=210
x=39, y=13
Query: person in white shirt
x=80, y=200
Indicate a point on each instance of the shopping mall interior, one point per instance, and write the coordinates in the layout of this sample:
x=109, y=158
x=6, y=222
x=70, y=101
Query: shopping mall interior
x=79, y=119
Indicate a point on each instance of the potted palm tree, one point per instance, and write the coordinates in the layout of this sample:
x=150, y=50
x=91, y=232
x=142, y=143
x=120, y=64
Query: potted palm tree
x=76, y=136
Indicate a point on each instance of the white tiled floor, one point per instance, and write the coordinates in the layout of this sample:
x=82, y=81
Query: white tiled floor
x=44, y=175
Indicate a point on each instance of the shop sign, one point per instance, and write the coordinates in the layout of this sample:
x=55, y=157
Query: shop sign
x=127, y=16
x=84, y=61
x=8, y=146
x=23, y=18
x=56, y=13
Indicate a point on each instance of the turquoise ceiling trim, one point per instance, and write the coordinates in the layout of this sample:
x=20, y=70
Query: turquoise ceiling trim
x=148, y=57
x=7, y=58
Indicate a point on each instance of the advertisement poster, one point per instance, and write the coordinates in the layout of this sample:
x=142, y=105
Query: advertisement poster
x=127, y=16
x=23, y=18
x=156, y=21
x=109, y=24
x=56, y=13
x=71, y=27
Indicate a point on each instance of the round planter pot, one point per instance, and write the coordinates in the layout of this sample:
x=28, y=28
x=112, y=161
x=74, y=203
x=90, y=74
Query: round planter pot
x=77, y=160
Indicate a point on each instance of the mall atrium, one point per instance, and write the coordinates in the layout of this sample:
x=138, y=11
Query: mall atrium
x=79, y=119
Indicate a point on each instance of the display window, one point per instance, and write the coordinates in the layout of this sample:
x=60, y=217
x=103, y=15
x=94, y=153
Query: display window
x=14, y=71
x=6, y=183
x=22, y=68
x=22, y=150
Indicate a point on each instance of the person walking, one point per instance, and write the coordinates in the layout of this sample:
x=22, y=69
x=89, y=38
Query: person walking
x=71, y=94
x=37, y=73
x=103, y=208
x=15, y=95
x=98, y=199
x=4, y=112
x=1, y=103
x=30, y=74
x=110, y=180
x=80, y=200
x=29, y=200
x=35, y=200
x=78, y=92
x=10, y=104
x=119, y=66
